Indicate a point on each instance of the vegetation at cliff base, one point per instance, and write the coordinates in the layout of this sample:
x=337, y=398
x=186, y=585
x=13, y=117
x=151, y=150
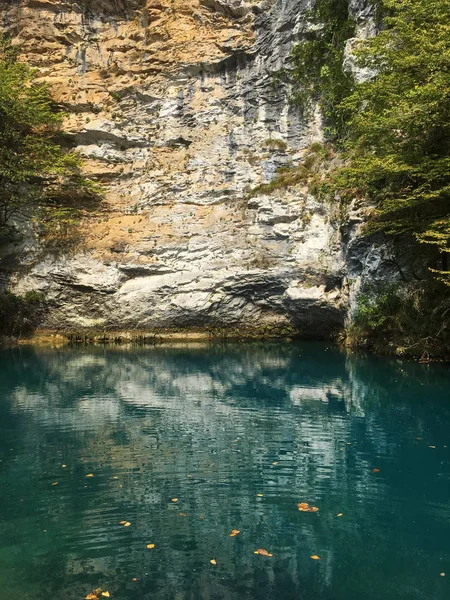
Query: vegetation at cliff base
x=19, y=314
x=406, y=319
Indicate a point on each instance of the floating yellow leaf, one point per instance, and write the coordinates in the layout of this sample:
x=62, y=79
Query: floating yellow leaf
x=315, y=557
x=260, y=495
x=234, y=532
x=431, y=446
x=92, y=597
x=134, y=579
x=115, y=477
x=340, y=515
x=127, y=524
x=262, y=552
x=90, y=475
x=275, y=463
x=182, y=514
x=376, y=470
x=213, y=562
x=106, y=594
x=64, y=466
x=150, y=546
x=55, y=483
x=122, y=522
x=305, y=507
x=442, y=574
x=174, y=499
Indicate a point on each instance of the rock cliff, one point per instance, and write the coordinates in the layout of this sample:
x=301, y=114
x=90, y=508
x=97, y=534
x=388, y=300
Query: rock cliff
x=172, y=106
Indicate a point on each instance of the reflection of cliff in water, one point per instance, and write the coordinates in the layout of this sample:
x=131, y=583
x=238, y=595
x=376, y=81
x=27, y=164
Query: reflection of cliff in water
x=206, y=425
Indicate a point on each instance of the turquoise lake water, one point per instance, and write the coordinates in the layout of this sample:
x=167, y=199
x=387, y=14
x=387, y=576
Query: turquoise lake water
x=105, y=451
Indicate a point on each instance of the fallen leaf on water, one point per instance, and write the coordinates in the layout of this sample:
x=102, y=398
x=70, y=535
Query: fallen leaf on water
x=106, y=594
x=115, y=477
x=339, y=514
x=262, y=552
x=134, y=579
x=305, y=507
x=174, y=499
x=127, y=524
x=260, y=495
x=431, y=446
x=122, y=522
x=213, y=562
x=92, y=597
x=64, y=466
x=234, y=532
x=55, y=483
x=90, y=475
x=182, y=514
x=375, y=470
x=201, y=517
x=442, y=574
x=418, y=438
x=315, y=557
x=275, y=463
x=150, y=546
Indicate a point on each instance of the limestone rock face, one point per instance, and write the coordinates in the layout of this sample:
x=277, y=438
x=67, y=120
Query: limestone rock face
x=172, y=106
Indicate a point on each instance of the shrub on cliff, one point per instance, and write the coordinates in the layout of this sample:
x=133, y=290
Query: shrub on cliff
x=36, y=172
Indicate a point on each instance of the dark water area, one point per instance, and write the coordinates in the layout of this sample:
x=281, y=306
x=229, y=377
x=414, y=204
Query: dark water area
x=97, y=443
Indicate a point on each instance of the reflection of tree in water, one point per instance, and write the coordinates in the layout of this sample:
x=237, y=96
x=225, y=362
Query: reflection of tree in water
x=205, y=425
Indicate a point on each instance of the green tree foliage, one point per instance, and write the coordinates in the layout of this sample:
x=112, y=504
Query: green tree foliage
x=316, y=64
x=35, y=170
x=396, y=139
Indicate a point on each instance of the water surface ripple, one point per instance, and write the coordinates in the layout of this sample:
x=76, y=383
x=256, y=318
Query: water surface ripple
x=104, y=451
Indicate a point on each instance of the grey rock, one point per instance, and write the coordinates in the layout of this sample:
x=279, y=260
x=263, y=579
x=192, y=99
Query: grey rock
x=180, y=153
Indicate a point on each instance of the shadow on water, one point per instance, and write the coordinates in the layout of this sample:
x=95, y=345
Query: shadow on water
x=239, y=435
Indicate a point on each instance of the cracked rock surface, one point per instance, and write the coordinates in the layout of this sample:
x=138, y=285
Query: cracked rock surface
x=171, y=105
